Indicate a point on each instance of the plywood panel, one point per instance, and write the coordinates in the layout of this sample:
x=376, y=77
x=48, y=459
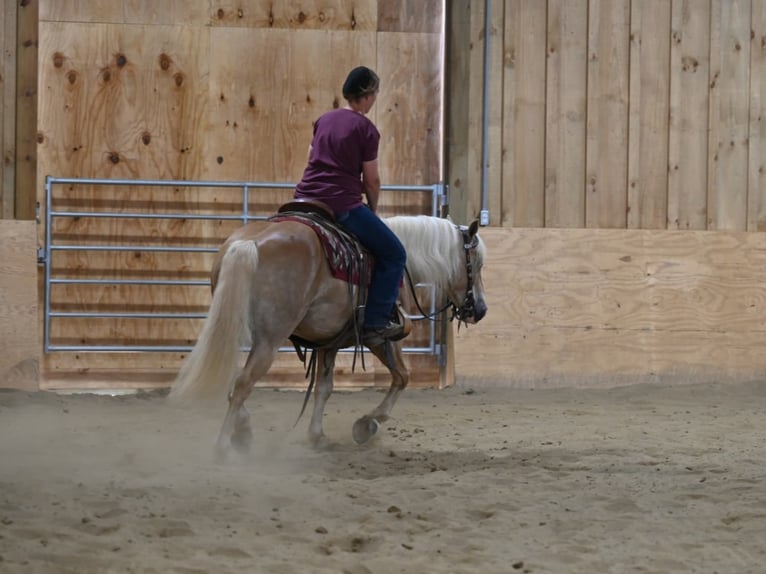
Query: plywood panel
x=350, y=15
x=408, y=109
x=566, y=84
x=261, y=122
x=605, y=307
x=649, y=105
x=123, y=101
x=19, y=335
x=524, y=119
x=756, y=211
x=689, y=97
x=410, y=16
x=607, y=127
x=729, y=115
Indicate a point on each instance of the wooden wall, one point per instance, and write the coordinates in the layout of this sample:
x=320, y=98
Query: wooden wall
x=618, y=114
x=208, y=90
x=18, y=105
x=608, y=307
x=19, y=327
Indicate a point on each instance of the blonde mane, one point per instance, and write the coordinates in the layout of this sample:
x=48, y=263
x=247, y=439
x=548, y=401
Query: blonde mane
x=434, y=247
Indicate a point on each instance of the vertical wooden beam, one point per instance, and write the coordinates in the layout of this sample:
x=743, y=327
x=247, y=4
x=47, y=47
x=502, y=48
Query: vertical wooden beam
x=689, y=93
x=26, y=116
x=649, y=103
x=457, y=103
x=729, y=114
x=756, y=185
x=524, y=117
x=607, y=129
x=8, y=113
x=567, y=64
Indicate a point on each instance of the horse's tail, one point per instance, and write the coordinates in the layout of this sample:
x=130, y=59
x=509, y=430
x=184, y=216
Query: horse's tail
x=210, y=369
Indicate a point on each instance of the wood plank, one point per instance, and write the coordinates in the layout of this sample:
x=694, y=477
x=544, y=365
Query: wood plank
x=168, y=12
x=649, y=109
x=523, y=181
x=607, y=128
x=8, y=114
x=729, y=115
x=349, y=15
x=756, y=184
x=26, y=110
x=102, y=11
x=457, y=106
x=603, y=307
x=419, y=16
x=566, y=107
x=473, y=183
x=496, y=146
x=409, y=108
x=689, y=97
x=19, y=336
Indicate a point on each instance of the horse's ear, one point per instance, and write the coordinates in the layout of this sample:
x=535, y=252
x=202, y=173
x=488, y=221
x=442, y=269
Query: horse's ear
x=473, y=228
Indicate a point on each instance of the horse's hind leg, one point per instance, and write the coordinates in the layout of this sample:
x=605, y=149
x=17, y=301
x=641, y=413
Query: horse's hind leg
x=236, y=430
x=390, y=354
x=324, y=385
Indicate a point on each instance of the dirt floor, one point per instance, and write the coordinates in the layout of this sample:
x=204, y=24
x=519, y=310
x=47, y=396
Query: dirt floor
x=634, y=479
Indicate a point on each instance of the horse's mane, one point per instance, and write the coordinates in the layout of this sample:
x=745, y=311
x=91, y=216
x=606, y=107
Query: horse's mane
x=434, y=248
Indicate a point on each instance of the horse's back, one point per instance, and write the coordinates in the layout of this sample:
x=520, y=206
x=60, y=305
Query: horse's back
x=293, y=280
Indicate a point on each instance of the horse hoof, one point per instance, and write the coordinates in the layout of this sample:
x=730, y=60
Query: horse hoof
x=364, y=429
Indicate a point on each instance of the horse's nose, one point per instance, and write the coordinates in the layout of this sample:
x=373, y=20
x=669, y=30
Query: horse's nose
x=480, y=309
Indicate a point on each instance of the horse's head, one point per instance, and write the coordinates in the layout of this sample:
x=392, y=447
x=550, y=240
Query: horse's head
x=467, y=294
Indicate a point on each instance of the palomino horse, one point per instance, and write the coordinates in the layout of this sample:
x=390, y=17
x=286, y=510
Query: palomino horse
x=269, y=284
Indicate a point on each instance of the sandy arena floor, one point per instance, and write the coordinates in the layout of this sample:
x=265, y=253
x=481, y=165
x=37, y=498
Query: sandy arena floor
x=634, y=479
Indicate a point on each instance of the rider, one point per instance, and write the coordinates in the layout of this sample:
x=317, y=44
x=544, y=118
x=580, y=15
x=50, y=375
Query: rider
x=343, y=165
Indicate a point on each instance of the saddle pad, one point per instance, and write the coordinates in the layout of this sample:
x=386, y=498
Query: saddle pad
x=338, y=253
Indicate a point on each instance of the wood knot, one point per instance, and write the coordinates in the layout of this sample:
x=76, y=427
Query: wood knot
x=321, y=17
x=71, y=76
x=301, y=17
x=114, y=157
x=251, y=102
x=58, y=59
x=179, y=78
x=40, y=137
x=240, y=13
x=121, y=60
x=335, y=103
x=165, y=62
x=146, y=138
x=220, y=14
x=106, y=74
x=219, y=159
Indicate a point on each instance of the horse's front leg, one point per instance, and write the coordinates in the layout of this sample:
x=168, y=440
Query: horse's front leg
x=390, y=354
x=324, y=384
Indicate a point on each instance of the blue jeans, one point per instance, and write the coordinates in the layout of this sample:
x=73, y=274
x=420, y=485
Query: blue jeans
x=390, y=258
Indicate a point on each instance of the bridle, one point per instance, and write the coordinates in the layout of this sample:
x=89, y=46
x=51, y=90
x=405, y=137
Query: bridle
x=467, y=308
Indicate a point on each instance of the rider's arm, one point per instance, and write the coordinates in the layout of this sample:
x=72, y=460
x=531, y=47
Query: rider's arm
x=371, y=183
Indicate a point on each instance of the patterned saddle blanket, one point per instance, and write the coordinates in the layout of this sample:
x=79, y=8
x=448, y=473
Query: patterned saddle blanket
x=341, y=250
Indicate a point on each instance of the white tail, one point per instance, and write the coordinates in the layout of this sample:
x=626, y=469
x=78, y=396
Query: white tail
x=213, y=364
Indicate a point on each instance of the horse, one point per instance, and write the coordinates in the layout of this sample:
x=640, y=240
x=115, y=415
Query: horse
x=271, y=283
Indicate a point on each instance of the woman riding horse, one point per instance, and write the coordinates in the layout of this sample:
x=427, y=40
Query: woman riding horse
x=342, y=165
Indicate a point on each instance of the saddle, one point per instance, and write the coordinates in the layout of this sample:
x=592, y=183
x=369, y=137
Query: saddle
x=348, y=260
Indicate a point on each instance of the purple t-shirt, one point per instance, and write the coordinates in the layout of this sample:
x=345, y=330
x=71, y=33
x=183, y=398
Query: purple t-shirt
x=343, y=140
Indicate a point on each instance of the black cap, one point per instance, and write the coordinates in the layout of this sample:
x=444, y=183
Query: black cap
x=360, y=82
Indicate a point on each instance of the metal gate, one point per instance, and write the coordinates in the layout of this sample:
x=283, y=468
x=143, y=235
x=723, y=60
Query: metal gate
x=47, y=253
